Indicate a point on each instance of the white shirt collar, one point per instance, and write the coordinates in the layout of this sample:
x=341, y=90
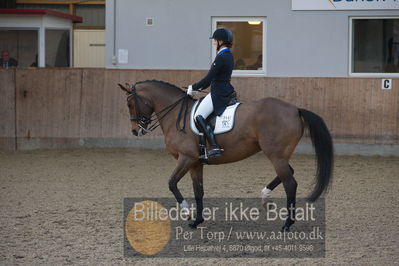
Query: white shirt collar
x=222, y=49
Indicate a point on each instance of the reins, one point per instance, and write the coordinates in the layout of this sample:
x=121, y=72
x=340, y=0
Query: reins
x=153, y=121
x=167, y=110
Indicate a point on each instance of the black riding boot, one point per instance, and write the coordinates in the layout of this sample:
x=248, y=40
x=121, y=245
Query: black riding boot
x=215, y=150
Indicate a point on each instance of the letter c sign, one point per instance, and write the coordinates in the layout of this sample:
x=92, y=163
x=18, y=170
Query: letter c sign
x=386, y=84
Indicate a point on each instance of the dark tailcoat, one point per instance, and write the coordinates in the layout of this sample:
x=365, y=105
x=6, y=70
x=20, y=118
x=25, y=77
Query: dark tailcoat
x=218, y=78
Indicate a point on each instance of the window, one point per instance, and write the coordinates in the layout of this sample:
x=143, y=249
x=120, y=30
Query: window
x=57, y=48
x=18, y=47
x=93, y=16
x=374, y=46
x=248, y=46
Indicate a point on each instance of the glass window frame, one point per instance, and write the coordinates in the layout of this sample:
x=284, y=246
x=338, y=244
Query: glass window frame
x=70, y=42
x=37, y=29
x=244, y=73
x=351, y=47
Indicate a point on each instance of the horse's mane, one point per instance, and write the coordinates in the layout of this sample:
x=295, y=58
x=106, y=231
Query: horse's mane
x=162, y=83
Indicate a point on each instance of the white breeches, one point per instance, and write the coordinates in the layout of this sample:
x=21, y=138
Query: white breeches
x=205, y=108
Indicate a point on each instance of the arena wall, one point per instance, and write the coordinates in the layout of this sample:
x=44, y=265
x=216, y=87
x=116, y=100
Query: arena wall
x=49, y=108
x=7, y=110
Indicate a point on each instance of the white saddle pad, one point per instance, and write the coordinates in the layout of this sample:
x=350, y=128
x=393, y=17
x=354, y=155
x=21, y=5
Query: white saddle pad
x=224, y=123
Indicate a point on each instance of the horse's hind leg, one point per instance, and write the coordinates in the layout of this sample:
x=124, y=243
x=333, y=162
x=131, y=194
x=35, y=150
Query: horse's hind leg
x=267, y=191
x=284, y=173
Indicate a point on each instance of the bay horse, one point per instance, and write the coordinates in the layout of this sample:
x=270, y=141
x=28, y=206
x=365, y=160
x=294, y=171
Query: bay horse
x=269, y=125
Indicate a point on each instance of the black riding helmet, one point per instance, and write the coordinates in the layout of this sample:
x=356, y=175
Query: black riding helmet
x=224, y=35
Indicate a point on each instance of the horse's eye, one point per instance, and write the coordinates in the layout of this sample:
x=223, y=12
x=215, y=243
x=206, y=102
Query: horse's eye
x=129, y=105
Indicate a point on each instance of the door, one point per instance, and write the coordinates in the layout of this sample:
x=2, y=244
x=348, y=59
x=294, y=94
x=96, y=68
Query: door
x=89, y=48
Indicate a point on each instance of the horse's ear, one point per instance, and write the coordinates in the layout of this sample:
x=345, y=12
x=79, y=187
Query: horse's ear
x=123, y=88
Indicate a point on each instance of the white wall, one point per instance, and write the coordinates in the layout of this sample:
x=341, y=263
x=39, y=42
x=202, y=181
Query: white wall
x=298, y=43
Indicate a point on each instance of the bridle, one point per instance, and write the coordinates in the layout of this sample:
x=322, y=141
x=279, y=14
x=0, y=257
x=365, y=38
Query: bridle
x=144, y=121
x=141, y=119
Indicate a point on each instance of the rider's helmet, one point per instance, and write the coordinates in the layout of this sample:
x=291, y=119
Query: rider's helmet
x=224, y=35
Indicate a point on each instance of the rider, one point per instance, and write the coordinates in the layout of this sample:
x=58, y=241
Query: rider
x=218, y=78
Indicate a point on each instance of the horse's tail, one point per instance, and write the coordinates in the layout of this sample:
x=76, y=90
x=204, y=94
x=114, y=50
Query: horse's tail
x=322, y=143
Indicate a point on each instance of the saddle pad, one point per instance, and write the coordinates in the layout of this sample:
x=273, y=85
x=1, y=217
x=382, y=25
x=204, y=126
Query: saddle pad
x=224, y=123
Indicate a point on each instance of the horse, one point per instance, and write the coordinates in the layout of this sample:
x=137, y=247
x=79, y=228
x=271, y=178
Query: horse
x=269, y=125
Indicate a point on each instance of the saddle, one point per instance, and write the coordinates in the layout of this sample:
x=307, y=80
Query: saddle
x=219, y=124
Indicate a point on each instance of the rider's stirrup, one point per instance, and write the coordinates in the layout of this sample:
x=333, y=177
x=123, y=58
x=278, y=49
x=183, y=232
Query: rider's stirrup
x=215, y=152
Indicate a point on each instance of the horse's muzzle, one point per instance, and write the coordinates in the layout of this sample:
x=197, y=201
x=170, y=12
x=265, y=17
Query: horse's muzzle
x=135, y=133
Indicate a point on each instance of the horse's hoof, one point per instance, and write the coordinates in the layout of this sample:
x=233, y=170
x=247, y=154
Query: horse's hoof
x=285, y=228
x=287, y=225
x=194, y=224
x=266, y=203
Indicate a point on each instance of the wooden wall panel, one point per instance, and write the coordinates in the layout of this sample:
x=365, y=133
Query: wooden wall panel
x=92, y=105
x=355, y=109
x=48, y=107
x=59, y=107
x=7, y=109
x=115, y=119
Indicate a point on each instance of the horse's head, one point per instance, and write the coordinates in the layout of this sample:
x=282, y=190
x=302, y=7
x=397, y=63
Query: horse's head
x=140, y=110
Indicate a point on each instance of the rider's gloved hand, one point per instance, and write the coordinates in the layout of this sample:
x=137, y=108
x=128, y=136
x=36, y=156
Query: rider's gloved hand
x=190, y=91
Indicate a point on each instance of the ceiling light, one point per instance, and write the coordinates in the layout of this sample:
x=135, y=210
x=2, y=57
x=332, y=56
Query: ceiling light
x=254, y=22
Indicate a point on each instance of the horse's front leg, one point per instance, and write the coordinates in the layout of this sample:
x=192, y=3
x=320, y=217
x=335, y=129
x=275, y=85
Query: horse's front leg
x=197, y=178
x=183, y=165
